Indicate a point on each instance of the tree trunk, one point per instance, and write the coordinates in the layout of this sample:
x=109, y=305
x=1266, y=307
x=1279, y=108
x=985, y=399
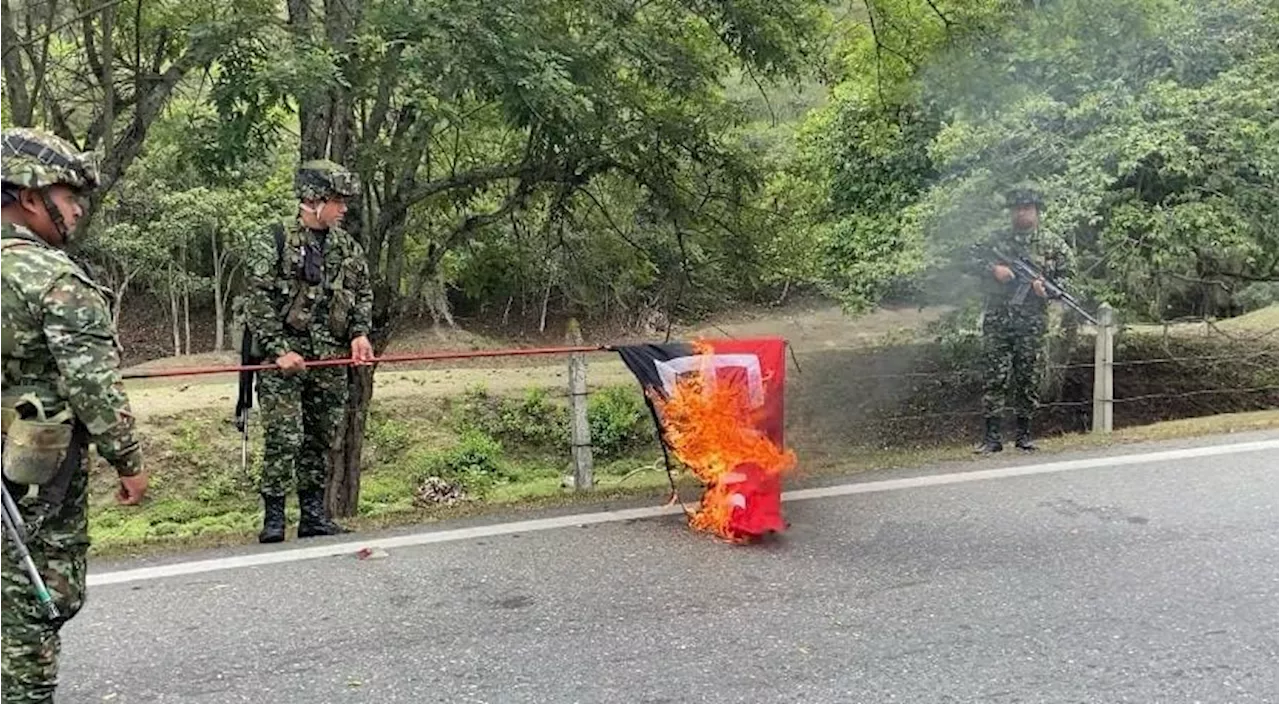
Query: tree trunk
x=108, y=76
x=546, y=299
x=219, y=314
x=227, y=290
x=21, y=108
x=174, y=313
x=117, y=303
x=312, y=118
x=342, y=495
x=186, y=317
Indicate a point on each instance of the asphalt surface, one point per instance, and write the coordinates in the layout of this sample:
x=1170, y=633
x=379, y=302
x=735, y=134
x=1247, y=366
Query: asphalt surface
x=1152, y=582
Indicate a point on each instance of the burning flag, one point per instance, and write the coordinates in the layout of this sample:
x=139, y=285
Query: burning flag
x=719, y=409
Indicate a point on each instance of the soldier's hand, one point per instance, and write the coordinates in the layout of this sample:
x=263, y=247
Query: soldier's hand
x=291, y=363
x=361, y=350
x=1002, y=273
x=132, y=489
x=1038, y=287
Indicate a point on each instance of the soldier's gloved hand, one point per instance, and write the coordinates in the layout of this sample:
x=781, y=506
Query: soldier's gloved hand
x=1038, y=287
x=291, y=363
x=1002, y=273
x=132, y=489
x=361, y=350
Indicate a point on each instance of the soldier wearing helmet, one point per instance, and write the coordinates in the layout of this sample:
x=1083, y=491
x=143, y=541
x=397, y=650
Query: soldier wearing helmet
x=309, y=298
x=62, y=392
x=1013, y=329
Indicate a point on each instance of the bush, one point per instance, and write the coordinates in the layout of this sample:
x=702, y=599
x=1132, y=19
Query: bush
x=387, y=437
x=619, y=421
x=534, y=422
x=477, y=460
x=1259, y=294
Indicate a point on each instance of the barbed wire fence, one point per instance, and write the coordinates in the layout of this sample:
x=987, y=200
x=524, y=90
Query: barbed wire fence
x=951, y=394
x=1159, y=379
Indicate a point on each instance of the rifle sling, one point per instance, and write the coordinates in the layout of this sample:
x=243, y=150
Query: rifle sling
x=54, y=493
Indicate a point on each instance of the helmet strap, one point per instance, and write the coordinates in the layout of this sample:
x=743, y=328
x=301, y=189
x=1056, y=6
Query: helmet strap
x=55, y=216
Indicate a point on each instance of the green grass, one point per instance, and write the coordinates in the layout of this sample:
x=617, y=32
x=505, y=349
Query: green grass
x=503, y=455
x=200, y=495
x=1260, y=322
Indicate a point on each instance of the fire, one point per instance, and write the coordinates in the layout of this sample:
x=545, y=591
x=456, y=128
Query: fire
x=711, y=428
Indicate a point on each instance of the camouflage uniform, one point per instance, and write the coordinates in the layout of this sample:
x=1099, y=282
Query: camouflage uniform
x=1013, y=332
x=59, y=346
x=312, y=297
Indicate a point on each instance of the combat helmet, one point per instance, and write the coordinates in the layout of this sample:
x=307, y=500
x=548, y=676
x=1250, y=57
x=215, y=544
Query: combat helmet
x=37, y=160
x=1023, y=194
x=320, y=179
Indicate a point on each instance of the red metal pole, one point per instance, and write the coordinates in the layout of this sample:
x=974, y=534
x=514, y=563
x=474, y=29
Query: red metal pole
x=344, y=361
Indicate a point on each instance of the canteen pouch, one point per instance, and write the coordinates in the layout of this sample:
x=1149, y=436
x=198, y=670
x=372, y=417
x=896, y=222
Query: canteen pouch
x=34, y=448
x=298, y=317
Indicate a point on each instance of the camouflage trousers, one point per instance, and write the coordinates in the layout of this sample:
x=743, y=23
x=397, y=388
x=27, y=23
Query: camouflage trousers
x=300, y=415
x=1011, y=344
x=31, y=644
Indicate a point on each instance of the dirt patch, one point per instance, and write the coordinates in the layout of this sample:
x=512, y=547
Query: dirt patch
x=875, y=381
x=164, y=397
x=808, y=327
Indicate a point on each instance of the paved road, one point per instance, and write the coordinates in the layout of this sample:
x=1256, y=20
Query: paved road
x=1098, y=581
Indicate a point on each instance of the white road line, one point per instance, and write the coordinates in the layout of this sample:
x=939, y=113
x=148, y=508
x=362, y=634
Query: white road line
x=457, y=534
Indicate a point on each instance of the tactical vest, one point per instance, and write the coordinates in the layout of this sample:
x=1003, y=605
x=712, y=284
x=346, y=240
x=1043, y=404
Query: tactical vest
x=39, y=446
x=305, y=282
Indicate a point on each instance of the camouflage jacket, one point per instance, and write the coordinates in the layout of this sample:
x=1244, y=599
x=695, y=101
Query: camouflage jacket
x=1046, y=251
x=59, y=342
x=313, y=296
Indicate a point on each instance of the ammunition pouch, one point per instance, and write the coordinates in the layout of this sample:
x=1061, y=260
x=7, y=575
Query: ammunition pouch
x=41, y=451
x=298, y=316
x=35, y=446
x=341, y=301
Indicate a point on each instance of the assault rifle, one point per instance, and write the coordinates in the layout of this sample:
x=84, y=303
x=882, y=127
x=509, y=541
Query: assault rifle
x=16, y=530
x=1025, y=273
x=244, y=397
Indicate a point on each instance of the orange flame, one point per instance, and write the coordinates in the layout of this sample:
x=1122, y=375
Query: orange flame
x=711, y=428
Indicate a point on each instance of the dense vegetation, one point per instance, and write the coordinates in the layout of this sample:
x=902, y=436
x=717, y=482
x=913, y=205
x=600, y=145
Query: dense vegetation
x=631, y=161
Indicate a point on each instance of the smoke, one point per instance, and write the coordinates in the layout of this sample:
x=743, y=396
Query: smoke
x=1116, y=110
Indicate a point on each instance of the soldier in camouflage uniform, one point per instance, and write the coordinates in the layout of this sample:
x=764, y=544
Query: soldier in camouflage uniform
x=1013, y=331
x=60, y=366
x=309, y=298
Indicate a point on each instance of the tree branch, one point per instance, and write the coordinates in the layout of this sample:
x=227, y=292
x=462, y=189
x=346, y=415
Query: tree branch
x=946, y=22
x=464, y=229
x=468, y=179
x=15, y=78
x=54, y=30
x=609, y=219
x=382, y=103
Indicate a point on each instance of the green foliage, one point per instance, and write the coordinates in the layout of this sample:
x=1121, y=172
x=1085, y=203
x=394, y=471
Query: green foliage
x=388, y=434
x=1149, y=125
x=1258, y=295
x=619, y=421
x=533, y=422
x=477, y=460
x=529, y=157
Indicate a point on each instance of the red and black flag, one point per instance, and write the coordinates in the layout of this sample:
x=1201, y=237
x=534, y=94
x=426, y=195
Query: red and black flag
x=719, y=409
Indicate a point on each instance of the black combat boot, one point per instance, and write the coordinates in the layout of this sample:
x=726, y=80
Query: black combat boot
x=990, y=439
x=314, y=520
x=1024, y=441
x=272, y=520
